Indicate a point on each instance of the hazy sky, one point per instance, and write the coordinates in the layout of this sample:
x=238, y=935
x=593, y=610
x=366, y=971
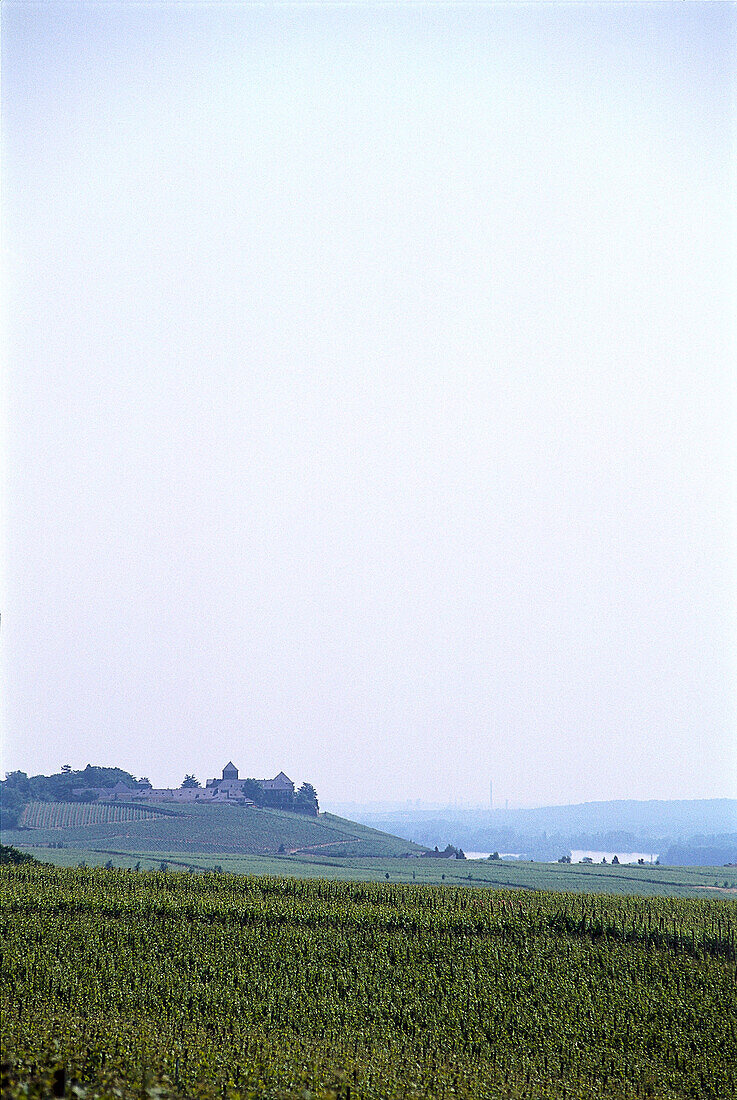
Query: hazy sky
x=370, y=410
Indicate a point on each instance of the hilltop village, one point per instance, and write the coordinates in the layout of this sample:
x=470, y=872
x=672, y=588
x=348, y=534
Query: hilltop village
x=278, y=793
x=106, y=784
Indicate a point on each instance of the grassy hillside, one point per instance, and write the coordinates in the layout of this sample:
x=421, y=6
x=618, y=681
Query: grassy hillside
x=212, y=830
x=217, y=987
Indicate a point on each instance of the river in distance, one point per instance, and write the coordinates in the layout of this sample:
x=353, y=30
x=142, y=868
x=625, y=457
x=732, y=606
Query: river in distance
x=579, y=854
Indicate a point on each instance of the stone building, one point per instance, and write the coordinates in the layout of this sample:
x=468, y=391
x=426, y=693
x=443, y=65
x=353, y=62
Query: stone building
x=277, y=792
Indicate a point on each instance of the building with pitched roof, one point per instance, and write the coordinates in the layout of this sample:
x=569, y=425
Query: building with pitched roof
x=278, y=791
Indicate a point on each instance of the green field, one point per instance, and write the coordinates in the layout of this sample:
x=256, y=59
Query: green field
x=647, y=881
x=119, y=984
x=215, y=830
x=250, y=841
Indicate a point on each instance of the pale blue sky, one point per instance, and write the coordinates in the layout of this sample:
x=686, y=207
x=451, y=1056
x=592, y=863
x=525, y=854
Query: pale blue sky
x=371, y=404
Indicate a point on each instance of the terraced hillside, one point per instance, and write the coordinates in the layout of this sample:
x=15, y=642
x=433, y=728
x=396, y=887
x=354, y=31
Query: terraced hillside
x=214, y=830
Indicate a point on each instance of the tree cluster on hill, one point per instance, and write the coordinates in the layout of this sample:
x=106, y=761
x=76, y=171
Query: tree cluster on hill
x=18, y=788
x=304, y=800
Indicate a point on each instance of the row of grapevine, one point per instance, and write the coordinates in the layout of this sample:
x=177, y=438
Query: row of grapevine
x=59, y=815
x=219, y=986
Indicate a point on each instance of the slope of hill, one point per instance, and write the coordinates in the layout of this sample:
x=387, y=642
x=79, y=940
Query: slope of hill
x=209, y=829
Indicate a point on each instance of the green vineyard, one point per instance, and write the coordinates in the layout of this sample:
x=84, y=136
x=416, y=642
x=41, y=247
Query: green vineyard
x=62, y=815
x=116, y=983
x=218, y=830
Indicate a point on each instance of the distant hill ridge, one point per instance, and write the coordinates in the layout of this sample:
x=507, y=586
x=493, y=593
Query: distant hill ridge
x=676, y=815
x=684, y=831
x=101, y=784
